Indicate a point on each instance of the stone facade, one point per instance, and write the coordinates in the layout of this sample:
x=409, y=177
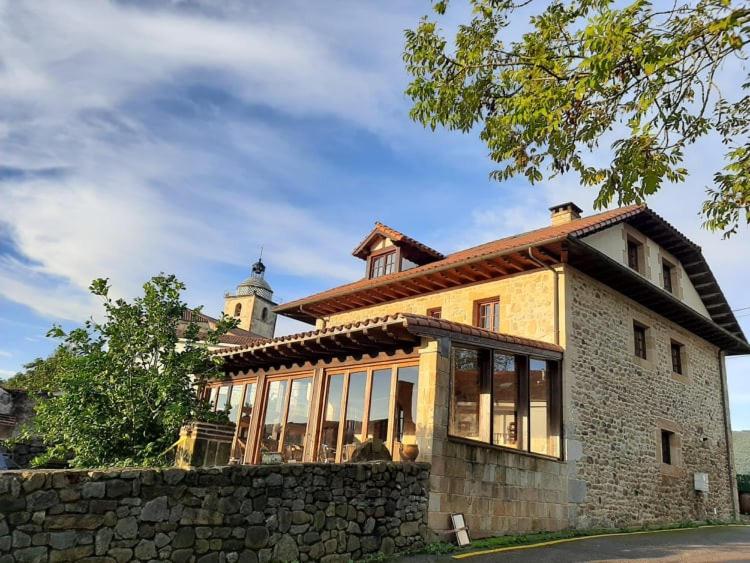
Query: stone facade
x=302, y=512
x=616, y=404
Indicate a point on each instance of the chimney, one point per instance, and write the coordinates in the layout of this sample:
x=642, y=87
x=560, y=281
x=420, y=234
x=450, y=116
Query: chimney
x=565, y=213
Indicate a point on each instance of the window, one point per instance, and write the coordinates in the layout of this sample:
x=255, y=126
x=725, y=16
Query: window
x=666, y=272
x=285, y=419
x=383, y=264
x=363, y=403
x=243, y=425
x=435, y=312
x=667, y=438
x=407, y=386
x=233, y=404
x=222, y=397
x=634, y=255
x=676, y=350
x=487, y=314
x=506, y=400
x=329, y=435
x=355, y=413
x=296, y=419
x=237, y=309
x=212, y=398
x=264, y=314
x=639, y=340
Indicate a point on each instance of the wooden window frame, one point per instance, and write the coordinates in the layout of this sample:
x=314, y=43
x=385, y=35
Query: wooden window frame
x=346, y=371
x=477, y=313
x=667, y=274
x=383, y=253
x=435, y=312
x=261, y=410
x=638, y=246
x=639, y=328
x=486, y=363
x=673, y=344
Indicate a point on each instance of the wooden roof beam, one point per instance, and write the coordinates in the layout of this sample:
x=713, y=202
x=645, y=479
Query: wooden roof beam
x=511, y=263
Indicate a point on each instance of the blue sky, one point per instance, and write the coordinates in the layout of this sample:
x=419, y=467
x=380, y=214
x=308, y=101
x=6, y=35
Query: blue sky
x=140, y=137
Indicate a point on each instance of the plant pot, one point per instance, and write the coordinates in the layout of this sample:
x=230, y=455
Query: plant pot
x=409, y=452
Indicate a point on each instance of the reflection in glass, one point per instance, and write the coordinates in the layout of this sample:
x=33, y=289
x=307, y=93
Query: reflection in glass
x=380, y=400
x=539, y=406
x=331, y=417
x=233, y=405
x=406, y=405
x=465, y=395
x=212, y=398
x=296, y=421
x=244, y=424
x=355, y=413
x=221, y=399
x=504, y=401
x=272, y=423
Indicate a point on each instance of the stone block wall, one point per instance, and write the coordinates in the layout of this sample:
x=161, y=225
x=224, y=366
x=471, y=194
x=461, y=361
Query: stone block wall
x=295, y=512
x=616, y=404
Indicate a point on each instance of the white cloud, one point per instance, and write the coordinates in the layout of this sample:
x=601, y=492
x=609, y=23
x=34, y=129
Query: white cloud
x=5, y=354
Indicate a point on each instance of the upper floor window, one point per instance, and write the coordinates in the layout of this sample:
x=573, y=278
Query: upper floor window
x=666, y=274
x=435, y=312
x=676, y=352
x=487, y=314
x=634, y=254
x=667, y=438
x=383, y=264
x=237, y=309
x=639, y=339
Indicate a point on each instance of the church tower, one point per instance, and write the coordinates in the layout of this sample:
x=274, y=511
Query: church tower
x=252, y=304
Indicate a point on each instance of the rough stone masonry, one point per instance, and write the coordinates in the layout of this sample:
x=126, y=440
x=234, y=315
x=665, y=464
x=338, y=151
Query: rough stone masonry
x=295, y=512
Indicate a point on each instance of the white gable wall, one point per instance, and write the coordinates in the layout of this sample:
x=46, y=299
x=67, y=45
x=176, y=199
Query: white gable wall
x=613, y=242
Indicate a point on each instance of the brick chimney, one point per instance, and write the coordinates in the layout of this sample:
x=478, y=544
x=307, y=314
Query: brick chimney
x=565, y=213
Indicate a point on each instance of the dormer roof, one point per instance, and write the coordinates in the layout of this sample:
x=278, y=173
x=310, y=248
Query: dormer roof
x=411, y=248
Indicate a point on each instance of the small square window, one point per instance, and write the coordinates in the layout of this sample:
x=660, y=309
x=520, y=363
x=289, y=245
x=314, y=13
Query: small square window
x=639, y=340
x=435, y=312
x=487, y=314
x=666, y=274
x=634, y=254
x=676, y=351
x=667, y=438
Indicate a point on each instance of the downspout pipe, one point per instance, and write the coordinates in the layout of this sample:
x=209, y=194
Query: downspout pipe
x=728, y=438
x=555, y=296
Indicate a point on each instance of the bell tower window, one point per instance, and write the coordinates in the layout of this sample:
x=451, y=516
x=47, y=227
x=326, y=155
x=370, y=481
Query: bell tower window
x=237, y=309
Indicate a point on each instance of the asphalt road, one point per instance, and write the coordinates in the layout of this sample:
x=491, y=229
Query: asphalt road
x=702, y=545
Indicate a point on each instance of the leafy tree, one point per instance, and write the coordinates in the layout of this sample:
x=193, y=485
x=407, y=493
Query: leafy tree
x=38, y=375
x=124, y=385
x=641, y=76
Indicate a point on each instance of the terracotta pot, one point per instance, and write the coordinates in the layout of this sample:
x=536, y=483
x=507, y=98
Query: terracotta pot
x=409, y=452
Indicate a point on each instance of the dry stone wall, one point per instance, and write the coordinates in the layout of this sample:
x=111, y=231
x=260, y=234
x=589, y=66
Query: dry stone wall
x=301, y=512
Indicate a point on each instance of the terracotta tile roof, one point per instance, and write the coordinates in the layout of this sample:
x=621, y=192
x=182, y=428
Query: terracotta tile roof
x=413, y=323
x=497, y=247
x=396, y=237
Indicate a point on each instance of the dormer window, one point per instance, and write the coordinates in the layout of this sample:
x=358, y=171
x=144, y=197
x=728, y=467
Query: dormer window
x=383, y=264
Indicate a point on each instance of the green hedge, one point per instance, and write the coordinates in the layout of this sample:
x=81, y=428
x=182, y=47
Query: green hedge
x=743, y=483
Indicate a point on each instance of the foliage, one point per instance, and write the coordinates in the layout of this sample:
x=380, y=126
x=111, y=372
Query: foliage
x=743, y=483
x=123, y=385
x=38, y=375
x=638, y=74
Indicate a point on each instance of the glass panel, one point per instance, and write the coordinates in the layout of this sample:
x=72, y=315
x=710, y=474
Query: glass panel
x=380, y=400
x=272, y=423
x=244, y=424
x=355, y=413
x=331, y=417
x=221, y=399
x=296, y=421
x=233, y=405
x=539, y=407
x=212, y=397
x=465, y=396
x=406, y=405
x=504, y=401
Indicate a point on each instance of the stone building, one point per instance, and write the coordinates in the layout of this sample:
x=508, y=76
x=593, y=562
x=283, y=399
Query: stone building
x=569, y=376
x=251, y=304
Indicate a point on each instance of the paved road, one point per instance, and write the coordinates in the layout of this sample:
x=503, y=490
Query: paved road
x=703, y=545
